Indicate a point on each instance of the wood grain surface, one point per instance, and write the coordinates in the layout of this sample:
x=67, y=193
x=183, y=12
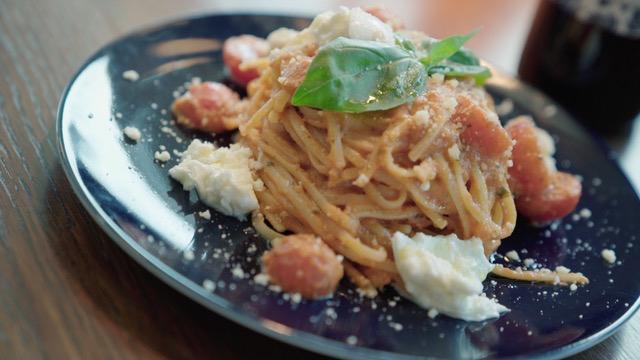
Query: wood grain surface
x=66, y=290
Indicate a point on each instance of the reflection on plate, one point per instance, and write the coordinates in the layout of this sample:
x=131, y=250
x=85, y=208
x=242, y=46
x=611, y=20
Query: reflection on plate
x=156, y=222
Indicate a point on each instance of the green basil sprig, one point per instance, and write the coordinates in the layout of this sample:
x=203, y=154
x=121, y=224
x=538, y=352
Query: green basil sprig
x=464, y=57
x=350, y=75
x=439, y=50
x=355, y=76
x=450, y=69
x=449, y=58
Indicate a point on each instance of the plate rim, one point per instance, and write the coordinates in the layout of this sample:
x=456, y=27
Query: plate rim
x=228, y=310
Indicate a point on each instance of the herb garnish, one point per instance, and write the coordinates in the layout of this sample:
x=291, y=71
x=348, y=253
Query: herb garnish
x=354, y=76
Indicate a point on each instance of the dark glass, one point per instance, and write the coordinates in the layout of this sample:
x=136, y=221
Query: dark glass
x=591, y=70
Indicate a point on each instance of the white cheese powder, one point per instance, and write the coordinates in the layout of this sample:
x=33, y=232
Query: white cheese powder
x=221, y=176
x=445, y=273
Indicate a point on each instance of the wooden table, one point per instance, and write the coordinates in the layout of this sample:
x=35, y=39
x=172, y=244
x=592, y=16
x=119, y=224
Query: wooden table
x=66, y=290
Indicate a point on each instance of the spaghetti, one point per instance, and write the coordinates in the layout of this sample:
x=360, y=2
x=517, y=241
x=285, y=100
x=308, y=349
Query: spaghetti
x=352, y=180
x=355, y=179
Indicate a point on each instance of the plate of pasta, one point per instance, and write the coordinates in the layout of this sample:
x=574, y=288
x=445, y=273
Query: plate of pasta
x=352, y=187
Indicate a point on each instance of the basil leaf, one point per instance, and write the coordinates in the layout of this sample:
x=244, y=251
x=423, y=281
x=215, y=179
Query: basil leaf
x=405, y=44
x=442, y=49
x=355, y=76
x=479, y=73
x=464, y=57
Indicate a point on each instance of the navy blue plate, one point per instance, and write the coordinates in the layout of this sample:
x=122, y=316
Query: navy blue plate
x=156, y=222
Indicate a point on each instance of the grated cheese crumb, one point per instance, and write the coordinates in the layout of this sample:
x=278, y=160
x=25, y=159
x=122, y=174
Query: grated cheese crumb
x=163, y=156
x=528, y=262
x=573, y=287
x=513, y=255
x=132, y=133
x=205, y=214
x=188, y=255
x=331, y=313
x=361, y=181
x=585, y=213
x=131, y=75
x=562, y=270
x=432, y=313
x=352, y=340
x=237, y=272
x=296, y=298
x=609, y=255
x=261, y=279
x=209, y=285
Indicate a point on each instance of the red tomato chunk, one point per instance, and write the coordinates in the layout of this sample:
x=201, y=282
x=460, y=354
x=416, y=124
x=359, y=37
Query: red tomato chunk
x=542, y=193
x=303, y=264
x=240, y=49
x=479, y=131
x=208, y=106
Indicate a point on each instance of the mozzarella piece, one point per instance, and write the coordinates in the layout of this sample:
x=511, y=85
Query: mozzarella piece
x=352, y=23
x=364, y=26
x=221, y=176
x=445, y=273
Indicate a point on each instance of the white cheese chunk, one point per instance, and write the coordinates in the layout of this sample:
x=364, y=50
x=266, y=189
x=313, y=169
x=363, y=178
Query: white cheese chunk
x=352, y=23
x=445, y=273
x=364, y=26
x=221, y=176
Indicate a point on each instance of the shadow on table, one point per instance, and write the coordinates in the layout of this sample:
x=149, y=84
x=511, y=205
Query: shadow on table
x=139, y=304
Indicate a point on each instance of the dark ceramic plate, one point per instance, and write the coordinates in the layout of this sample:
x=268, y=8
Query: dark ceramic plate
x=156, y=222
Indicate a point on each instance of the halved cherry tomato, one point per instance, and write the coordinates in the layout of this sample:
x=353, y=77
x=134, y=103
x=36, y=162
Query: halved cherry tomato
x=303, y=264
x=208, y=106
x=243, y=48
